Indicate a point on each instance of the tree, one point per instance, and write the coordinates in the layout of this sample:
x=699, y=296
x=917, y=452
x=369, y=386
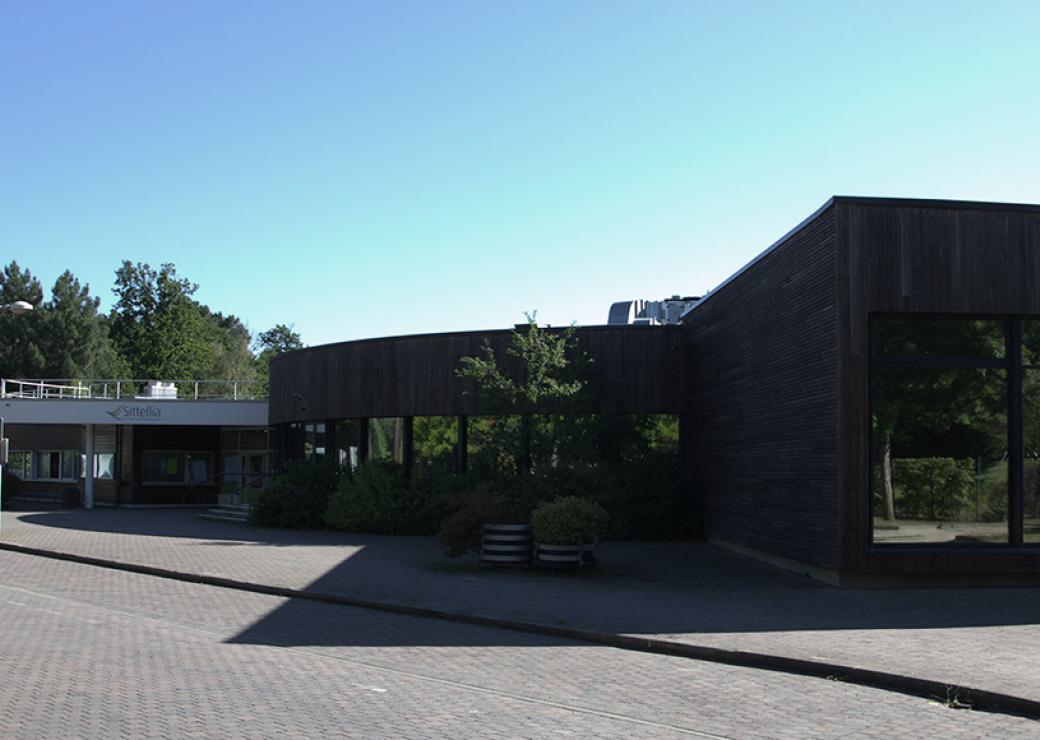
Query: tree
x=271, y=343
x=74, y=337
x=936, y=412
x=156, y=325
x=549, y=379
x=20, y=354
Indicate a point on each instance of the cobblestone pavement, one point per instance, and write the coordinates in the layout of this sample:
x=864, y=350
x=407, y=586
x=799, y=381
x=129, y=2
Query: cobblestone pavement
x=93, y=652
x=983, y=638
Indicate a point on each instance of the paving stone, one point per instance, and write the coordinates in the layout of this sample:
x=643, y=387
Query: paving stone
x=92, y=652
x=986, y=638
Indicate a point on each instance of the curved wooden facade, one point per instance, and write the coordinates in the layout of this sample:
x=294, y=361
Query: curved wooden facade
x=636, y=369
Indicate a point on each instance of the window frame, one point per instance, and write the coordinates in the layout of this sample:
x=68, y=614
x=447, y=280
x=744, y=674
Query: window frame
x=1012, y=363
x=185, y=460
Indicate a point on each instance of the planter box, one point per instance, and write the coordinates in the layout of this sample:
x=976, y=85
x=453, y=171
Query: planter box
x=565, y=556
x=506, y=544
x=559, y=556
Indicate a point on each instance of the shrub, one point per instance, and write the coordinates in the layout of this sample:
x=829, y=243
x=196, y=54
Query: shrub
x=568, y=520
x=468, y=511
x=935, y=488
x=377, y=499
x=297, y=499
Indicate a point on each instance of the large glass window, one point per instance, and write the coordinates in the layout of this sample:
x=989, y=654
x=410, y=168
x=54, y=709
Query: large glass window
x=386, y=439
x=940, y=456
x=1031, y=432
x=56, y=464
x=20, y=464
x=176, y=467
x=940, y=432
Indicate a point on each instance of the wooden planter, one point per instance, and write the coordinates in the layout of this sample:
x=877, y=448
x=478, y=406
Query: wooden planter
x=506, y=544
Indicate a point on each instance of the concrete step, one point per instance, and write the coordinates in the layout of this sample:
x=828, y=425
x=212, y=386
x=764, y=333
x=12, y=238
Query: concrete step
x=235, y=513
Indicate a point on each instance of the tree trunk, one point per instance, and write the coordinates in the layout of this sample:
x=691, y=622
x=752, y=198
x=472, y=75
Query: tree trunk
x=890, y=496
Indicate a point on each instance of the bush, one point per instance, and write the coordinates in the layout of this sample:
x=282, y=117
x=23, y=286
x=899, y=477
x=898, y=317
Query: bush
x=568, y=520
x=297, y=499
x=933, y=488
x=378, y=500
x=468, y=512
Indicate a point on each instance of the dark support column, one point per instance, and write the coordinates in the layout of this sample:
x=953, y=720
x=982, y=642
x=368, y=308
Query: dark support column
x=362, y=449
x=1014, y=355
x=462, y=445
x=331, y=448
x=408, y=446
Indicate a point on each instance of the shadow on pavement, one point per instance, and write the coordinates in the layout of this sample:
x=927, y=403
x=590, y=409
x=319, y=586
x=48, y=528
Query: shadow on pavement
x=642, y=588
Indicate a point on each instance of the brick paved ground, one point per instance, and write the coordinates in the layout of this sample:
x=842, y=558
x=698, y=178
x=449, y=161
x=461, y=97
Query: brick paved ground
x=92, y=652
x=985, y=638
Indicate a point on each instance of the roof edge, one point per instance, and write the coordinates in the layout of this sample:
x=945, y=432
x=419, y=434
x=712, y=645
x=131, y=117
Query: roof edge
x=976, y=205
x=763, y=254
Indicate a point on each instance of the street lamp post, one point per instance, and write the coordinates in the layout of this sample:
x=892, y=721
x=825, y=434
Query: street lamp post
x=17, y=308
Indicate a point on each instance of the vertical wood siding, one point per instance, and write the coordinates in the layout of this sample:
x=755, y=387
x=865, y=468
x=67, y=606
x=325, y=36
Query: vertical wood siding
x=901, y=257
x=763, y=399
x=639, y=369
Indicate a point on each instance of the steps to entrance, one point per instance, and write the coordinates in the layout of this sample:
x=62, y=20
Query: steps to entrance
x=234, y=513
x=52, y=499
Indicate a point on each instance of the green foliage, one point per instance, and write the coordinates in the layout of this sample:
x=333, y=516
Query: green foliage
x=157, y=326
x=64, y=337
x=568, y=520
x=548, y=373
x=298, y=498
x=268, y=345
x=468, y=512
x=434, y=439
x=932, y=488
x=377, y=499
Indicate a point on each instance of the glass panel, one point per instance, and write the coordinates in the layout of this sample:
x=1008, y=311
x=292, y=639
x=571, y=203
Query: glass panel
x=68, y=464
x=1030, y=342
x=1031, y=454
x=233, y=468
x=436, y=439
x=104, y=465
x=347, y=438
x=198, y=467
x=20, y=464
x=163, y=467
x=320, y=441
x=938, y=338
x=940, y=456
x=386, y=439
x=495, y=445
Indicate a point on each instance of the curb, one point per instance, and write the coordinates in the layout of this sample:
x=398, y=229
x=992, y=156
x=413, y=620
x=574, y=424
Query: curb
x=953, y=695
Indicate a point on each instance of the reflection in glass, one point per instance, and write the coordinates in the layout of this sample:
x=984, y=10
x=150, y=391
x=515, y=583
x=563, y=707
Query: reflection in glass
x=937, y=338
x=1031, y=454
x=386, y=439
x=348, y=438
x=940, y=456
x=436, y=440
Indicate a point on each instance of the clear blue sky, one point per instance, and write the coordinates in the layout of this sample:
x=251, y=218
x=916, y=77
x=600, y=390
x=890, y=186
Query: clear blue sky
x=368, y=168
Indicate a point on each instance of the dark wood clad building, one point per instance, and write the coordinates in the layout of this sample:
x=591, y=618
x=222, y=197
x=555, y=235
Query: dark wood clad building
x=860, y=402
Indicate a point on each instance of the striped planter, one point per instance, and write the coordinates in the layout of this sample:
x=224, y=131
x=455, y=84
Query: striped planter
x=506, y=544
x=559, y=556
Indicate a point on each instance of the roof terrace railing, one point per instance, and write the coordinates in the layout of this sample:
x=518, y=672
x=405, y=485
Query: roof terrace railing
x=193, y=390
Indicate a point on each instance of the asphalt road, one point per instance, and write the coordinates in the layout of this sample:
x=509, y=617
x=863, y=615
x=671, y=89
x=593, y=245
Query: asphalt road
x=91, y=652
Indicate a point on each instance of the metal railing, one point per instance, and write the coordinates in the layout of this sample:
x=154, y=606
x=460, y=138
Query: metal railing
x=113, y=389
